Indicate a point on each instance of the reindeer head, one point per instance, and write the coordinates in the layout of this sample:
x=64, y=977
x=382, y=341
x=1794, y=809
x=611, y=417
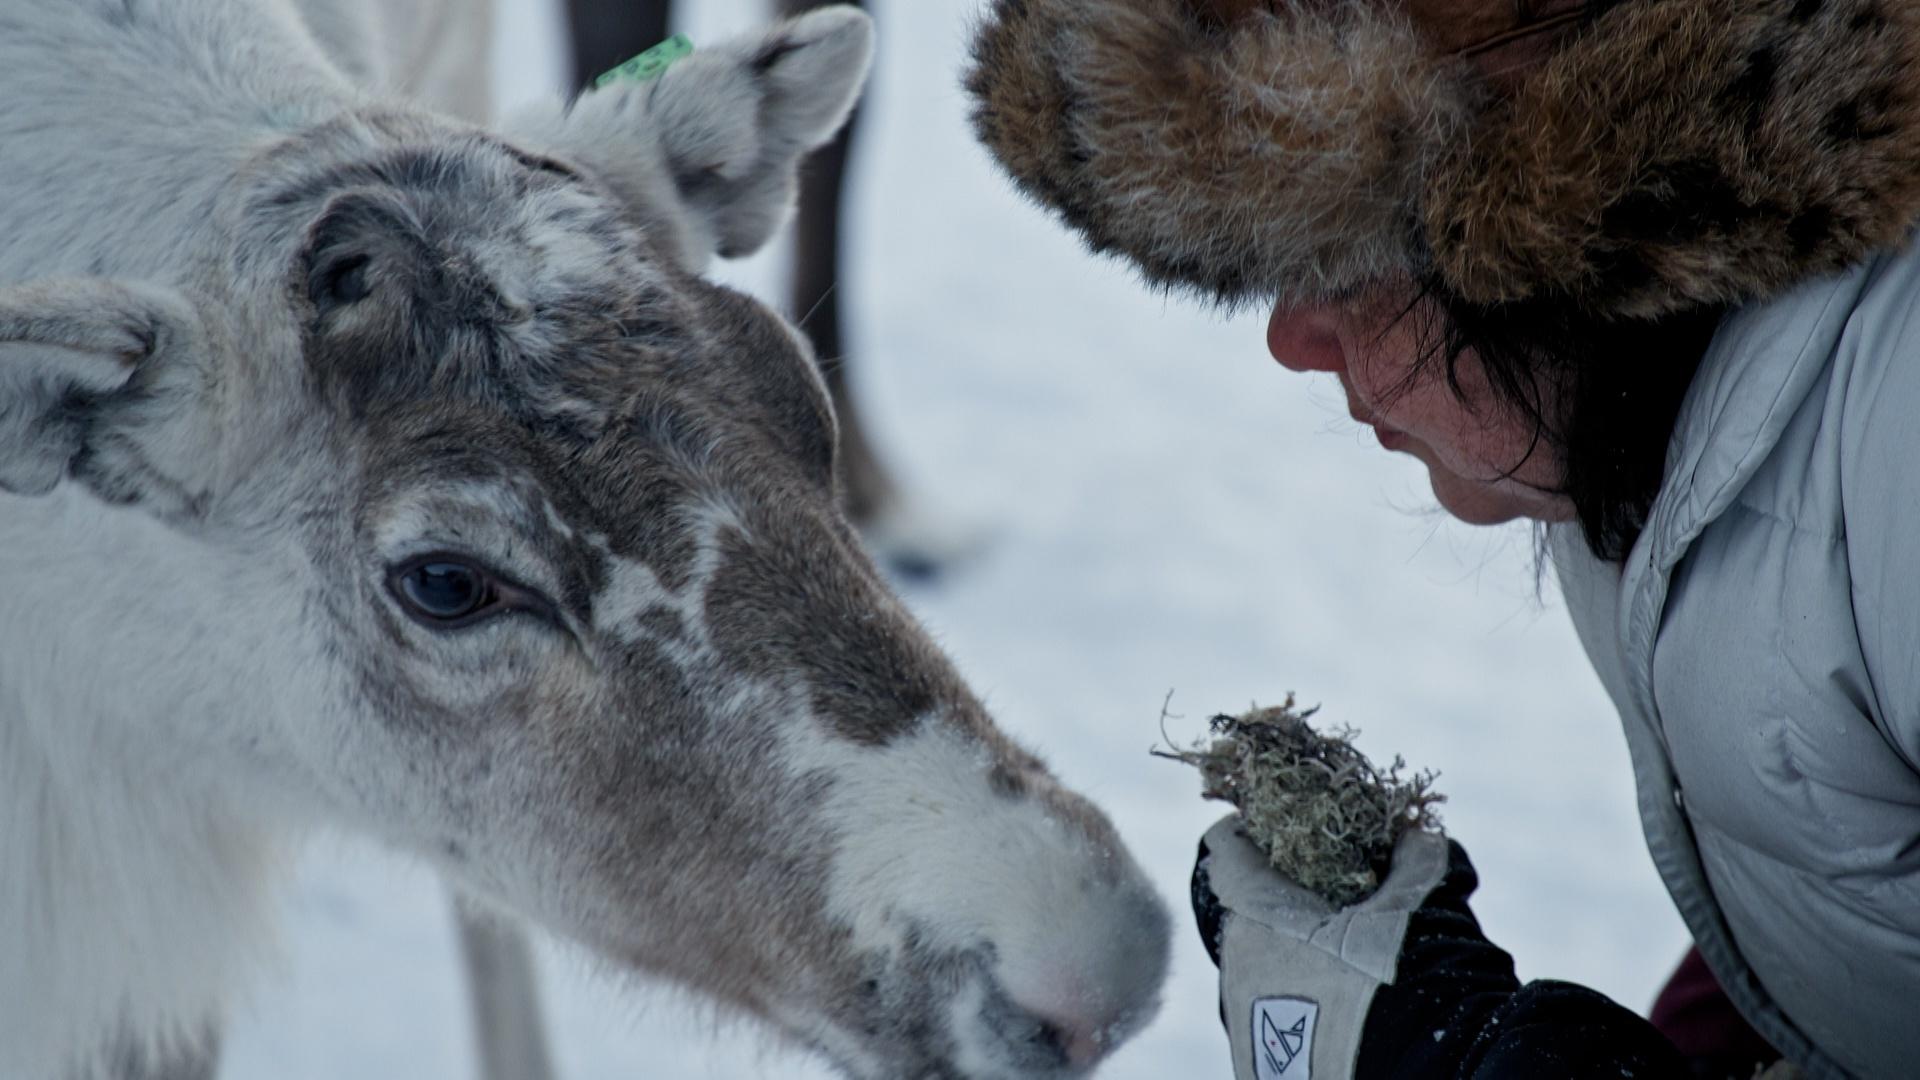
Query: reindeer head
x=507, y=539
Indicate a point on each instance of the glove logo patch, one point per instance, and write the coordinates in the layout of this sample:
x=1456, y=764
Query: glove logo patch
x=1283, y=1038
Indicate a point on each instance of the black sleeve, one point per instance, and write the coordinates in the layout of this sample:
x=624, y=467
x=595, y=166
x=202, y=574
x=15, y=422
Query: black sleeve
x=1455, y=1009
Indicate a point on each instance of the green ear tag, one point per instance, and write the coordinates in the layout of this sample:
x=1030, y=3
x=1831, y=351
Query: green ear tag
x=651, y=64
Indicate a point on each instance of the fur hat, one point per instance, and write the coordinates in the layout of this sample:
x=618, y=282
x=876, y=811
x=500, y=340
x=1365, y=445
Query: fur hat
x=1651, y=157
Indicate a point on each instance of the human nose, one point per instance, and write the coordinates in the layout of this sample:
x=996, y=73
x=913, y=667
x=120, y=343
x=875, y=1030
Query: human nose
x=1306, y=339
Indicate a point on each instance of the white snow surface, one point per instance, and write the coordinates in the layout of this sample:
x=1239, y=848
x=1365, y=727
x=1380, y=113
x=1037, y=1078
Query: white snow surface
x=1161, y=510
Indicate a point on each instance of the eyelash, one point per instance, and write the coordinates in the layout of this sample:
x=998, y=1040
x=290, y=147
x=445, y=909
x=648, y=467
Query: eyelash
x=492, y=594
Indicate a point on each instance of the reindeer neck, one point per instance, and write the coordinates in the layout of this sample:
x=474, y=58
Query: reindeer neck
x=135, y=894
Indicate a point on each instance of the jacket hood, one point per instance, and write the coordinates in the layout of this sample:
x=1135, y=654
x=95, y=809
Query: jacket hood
x=1650, y=156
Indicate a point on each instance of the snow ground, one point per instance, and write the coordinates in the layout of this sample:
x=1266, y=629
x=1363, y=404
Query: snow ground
x=1166, y=511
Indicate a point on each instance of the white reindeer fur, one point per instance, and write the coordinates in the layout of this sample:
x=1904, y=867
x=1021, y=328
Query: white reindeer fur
x=138, y=879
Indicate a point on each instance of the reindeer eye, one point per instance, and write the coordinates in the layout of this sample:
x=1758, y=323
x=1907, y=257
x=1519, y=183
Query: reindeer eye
x=443, y=593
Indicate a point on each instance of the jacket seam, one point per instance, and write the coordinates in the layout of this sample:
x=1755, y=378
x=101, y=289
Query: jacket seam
x=1780, y=519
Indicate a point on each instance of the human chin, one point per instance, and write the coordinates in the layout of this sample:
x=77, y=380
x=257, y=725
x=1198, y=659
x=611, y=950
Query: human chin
x=1477, y=502
x=1464, y=499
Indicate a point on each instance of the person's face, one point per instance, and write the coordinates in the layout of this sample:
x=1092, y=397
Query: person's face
x=1485, y=464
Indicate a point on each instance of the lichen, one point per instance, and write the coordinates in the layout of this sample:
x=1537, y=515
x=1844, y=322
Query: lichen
x=1324, y=815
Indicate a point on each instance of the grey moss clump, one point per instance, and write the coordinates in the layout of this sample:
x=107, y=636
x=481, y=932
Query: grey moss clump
x=1326, y=817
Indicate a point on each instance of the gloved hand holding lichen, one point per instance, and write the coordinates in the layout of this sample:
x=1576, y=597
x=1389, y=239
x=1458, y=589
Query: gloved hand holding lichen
x=1325, y=816
x=1337, y=913
x=1305, y=897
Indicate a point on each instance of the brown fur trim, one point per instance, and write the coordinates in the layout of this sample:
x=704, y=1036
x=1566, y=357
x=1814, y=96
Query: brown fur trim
x=1670, y=154
x=1282, y=154
x=1688, y=152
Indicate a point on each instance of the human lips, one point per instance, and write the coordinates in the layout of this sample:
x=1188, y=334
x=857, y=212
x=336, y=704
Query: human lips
x=1391, y=438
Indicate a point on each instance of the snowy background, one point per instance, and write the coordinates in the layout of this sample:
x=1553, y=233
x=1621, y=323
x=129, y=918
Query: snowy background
x=1160, y=508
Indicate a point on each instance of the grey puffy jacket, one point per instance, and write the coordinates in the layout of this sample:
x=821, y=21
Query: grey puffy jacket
x=1762, y=643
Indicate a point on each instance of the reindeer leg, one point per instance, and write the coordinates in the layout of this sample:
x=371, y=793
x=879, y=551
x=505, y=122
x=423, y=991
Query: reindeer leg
x=868, y=488
x=510, y=1035
x=199, y=1061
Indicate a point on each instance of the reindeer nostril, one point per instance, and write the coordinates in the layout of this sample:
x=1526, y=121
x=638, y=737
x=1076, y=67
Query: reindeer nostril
x=1046, y=1040
x=1080, y=1048
x=1047, y=1033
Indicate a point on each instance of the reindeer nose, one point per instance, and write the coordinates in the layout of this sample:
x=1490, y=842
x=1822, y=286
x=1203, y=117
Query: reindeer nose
x=1081, y=999
x=1041, y=1043
x=1080, y=1040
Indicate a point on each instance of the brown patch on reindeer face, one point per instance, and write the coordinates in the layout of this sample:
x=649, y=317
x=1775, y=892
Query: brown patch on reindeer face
x=790, y=613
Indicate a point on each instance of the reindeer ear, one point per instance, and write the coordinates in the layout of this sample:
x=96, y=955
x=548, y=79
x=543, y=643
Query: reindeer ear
x=736, y=121
x=708, y=153
x=809, y=71
x=71, y=351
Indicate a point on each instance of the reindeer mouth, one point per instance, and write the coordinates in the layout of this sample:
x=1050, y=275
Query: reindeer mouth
x=1032, y=1043
x=948, y=1016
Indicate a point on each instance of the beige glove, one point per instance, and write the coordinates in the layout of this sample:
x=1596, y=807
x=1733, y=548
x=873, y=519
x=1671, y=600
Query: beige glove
x=1297, y=975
